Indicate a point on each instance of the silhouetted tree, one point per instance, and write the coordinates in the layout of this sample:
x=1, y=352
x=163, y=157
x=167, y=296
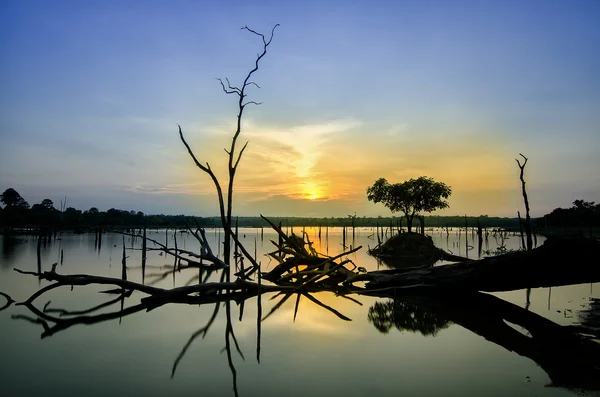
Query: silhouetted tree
x=44, y=214
x=11, y=198
x=583, y=205
x=526, y=201
x=47, y=203
x=72, y=216
x=411, y=197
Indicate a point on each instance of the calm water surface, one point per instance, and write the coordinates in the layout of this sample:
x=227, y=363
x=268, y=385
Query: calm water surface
x=385, y=350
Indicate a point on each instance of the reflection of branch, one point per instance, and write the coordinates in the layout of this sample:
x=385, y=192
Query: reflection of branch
x=258, y=318
x=278, y=305
x=202, y=331
x=63, y=312
x=9, y=301
x=43, y=323
x=63, y=323
x=331, y=309
x=229, y=333
x=84, y=279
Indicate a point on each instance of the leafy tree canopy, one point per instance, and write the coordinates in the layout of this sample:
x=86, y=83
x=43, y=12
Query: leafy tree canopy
x=411, y=197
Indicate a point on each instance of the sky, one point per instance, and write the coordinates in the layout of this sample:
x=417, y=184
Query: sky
x=91, y=93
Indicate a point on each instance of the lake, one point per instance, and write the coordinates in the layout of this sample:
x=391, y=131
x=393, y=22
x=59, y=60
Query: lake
x=389, y=348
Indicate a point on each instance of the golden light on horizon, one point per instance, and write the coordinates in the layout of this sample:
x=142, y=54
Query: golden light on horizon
x=311, y=191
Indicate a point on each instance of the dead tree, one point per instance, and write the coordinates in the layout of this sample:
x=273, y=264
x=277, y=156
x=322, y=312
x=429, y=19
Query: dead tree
x=525, y=199
x=226, y=202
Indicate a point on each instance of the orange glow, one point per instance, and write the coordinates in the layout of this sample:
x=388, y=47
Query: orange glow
x=311, y=190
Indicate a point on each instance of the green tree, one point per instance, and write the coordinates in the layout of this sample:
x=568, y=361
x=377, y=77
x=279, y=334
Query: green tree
x=411, y=197
x=11, y=198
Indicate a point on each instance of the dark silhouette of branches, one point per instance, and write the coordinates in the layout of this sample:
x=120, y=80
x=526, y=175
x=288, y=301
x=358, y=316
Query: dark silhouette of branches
x=234, y=158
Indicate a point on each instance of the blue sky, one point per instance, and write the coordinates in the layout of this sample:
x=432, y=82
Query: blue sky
x=352, y=91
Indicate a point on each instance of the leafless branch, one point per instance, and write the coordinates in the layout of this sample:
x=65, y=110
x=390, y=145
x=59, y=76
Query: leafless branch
x=252, y=83
x=252, y=103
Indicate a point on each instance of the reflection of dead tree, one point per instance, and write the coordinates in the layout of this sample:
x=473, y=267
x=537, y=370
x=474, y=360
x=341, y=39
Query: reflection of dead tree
x=54, y=320
x=233, y=163
x=302, y=271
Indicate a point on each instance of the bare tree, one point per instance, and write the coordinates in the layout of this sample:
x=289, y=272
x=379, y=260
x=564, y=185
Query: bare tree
x=525, y=199
x=234, y=157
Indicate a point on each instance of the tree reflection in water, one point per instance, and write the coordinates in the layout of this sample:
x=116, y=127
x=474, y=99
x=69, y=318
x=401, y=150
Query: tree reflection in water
x=568, y=354
x=406, y=317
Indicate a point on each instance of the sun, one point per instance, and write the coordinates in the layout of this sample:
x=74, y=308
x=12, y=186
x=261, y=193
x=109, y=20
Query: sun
x=311, y=191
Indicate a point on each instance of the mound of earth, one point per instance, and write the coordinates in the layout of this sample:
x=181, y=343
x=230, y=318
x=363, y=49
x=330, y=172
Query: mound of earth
x=410, y=249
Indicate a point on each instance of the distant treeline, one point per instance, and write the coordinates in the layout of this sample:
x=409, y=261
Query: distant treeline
x=18, y=214
x=582, y=214
x=72, y=218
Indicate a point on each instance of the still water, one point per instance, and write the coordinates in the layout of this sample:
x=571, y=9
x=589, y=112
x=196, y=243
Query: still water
x=386, y=349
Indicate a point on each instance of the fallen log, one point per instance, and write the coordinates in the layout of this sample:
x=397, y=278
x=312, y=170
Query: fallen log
x=559, y=261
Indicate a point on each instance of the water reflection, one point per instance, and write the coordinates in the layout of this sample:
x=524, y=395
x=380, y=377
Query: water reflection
x=405, y=316
x=590, y=319
x=12, y=247
x=570, y=358
x=418, y=313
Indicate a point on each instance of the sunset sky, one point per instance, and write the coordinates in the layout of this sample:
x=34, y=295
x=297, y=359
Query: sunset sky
x=91, y=93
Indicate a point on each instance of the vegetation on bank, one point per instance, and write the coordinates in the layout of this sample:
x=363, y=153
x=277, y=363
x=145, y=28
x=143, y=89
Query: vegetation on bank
x=17, y=213
x=581, y=214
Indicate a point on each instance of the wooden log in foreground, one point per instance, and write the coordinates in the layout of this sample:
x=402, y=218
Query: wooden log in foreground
x=559, y=261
